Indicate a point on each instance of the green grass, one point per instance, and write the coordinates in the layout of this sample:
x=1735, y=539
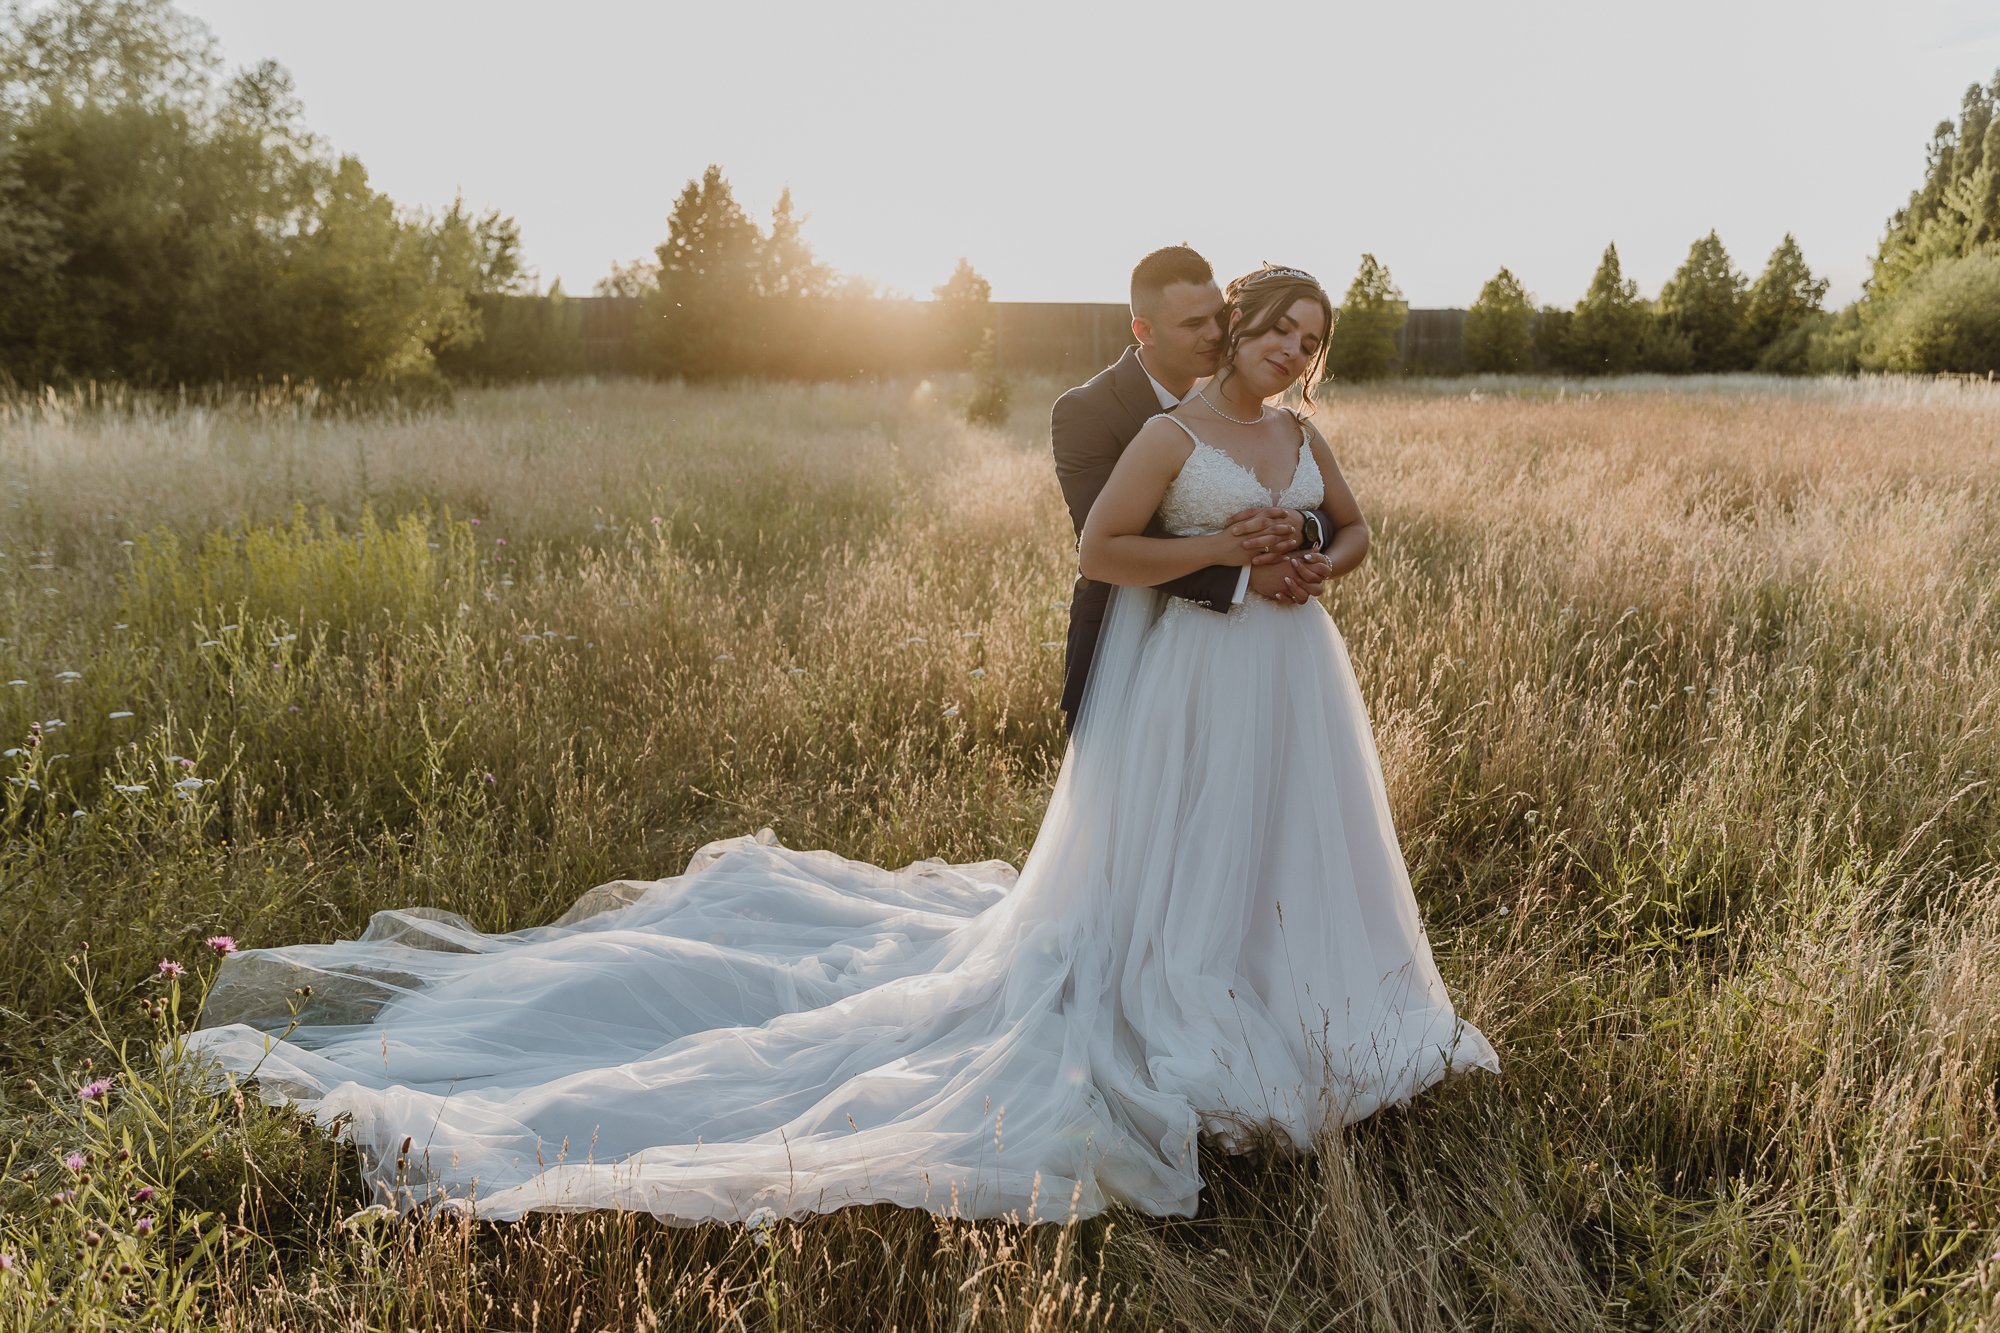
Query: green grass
x=1688, y=700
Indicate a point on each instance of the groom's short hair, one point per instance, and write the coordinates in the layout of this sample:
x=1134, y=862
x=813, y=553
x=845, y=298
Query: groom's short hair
x=1161, y=270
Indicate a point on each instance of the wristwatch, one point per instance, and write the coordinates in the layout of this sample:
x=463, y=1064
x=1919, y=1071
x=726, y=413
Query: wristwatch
x=1313, y=534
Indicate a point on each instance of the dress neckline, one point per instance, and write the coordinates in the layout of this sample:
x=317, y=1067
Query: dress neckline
x=1276, y=493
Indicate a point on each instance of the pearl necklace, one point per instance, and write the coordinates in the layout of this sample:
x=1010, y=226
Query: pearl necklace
x=1226, y=417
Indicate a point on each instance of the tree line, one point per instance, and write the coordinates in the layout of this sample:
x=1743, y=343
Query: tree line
x=1931, y=302
x=162, y=223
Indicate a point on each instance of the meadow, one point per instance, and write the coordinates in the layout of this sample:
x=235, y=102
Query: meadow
x=1687, y=695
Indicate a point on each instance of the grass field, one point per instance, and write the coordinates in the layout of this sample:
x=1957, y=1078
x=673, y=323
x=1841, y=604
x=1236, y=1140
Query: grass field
x=1687, y=694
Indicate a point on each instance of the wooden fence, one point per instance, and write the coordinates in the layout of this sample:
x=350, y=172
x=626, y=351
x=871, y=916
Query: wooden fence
x=1066, y=338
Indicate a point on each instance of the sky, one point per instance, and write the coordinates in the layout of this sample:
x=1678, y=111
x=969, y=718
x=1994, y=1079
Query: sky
x=1052, y=144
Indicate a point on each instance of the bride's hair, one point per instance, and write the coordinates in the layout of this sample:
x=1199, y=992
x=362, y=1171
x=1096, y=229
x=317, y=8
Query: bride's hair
x=1263, y=297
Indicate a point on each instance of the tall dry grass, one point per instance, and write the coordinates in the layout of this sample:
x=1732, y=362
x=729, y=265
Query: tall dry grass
x=1688, y=699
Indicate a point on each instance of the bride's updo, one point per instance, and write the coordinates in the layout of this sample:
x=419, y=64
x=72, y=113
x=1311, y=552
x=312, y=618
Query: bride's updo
x=1263, y=297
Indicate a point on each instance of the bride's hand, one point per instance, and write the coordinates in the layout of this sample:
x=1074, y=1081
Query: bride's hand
x=1265, y=533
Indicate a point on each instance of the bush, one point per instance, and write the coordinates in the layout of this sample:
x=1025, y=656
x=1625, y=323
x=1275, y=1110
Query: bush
x=1834, y=348
x=990, y=389
x=1945, y=318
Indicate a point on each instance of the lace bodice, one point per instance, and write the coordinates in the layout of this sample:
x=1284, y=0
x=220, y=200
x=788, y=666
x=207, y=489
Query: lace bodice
x=1212, y=486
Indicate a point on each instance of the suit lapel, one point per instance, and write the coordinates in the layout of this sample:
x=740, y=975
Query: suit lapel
x=1134, y=389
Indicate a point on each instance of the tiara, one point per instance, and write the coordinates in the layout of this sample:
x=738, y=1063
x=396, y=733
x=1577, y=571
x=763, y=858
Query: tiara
x=1299, y=273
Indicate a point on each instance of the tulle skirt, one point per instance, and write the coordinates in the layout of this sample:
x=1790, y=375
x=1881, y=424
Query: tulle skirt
x=1214, y=931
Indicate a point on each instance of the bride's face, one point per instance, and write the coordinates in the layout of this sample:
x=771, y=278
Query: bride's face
x=1270, y=361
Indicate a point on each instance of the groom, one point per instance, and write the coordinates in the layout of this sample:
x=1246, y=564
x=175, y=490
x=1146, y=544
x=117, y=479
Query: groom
x=1177, y=318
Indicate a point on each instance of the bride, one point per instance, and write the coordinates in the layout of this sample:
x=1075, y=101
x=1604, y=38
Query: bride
x=1213, y=932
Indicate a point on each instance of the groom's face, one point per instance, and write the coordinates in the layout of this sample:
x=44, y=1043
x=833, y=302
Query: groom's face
x=1183, y=336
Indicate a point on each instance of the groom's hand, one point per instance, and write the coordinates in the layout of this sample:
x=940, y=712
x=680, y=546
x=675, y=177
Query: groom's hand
x=1292, y=579
x=1268, y=533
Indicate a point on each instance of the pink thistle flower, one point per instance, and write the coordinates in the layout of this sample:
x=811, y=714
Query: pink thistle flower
x=64, y=1196
x=169, y=968
x=491, y=780
x=6, y=1261
x=143, y=1227
x=221, y=943
x=187, y=763
x=473, y=521
x=144, y=1194
x=75, y=1161
x=657, y=520
x=94, y=1090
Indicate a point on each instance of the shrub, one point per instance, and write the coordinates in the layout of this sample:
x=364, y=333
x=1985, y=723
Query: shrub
x=1946, y=318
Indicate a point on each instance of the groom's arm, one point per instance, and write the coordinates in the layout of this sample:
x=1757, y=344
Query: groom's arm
x=1086, y=450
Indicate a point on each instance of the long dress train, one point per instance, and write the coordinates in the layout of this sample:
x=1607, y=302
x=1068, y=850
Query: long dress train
x=1214, y=930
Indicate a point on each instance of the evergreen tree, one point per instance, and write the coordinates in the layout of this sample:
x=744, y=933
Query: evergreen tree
x=964, y=311
x=1609, y=327
x=1956, y=210
x=788, y=269
x=1704, y=302
x=1782, y=309
x=704, y=323
x=1371, y=316
x=1924, y=306
x=1499, y=328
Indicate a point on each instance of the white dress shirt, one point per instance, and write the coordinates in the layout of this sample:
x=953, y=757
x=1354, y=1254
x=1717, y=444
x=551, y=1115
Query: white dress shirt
x=1167, y=404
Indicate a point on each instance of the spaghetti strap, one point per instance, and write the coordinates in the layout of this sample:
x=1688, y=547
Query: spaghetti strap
x=1184, y=426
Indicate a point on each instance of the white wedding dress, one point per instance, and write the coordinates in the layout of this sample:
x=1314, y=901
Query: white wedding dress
x=1214, y=930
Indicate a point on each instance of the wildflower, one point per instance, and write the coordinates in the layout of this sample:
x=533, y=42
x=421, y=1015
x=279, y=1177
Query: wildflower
x=64, y=1196
x=491, y=780
x=128, y=787
x=1533, y=817
x=143, y=1227
x=6, y=1261
x=75, y=1161
x=291, y=708
x=94, y=1090
x=189, y=784
x=187, y=763
x=1504, y=909
x=657, y=520
x=224, y=944
x=951, y=710
x=760, y=1223
x=499, y=541
x=169, y=968
x=473, y=521
x=144, y=1194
